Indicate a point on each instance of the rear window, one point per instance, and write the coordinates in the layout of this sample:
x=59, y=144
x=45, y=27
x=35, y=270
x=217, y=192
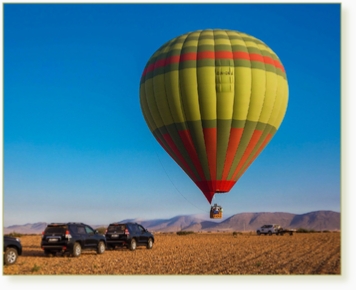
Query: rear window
x=116, y=228
x=55, y=229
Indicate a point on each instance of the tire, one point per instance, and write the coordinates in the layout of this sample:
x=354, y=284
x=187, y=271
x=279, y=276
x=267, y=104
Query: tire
x=149, y=244
x=133, y=245
x=101, y=248
x=77, y=250
x=10, y=257
x=270, y=233
x=258, y=233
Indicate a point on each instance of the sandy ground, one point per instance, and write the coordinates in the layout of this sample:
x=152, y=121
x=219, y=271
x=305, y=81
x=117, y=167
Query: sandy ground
x=194, y=254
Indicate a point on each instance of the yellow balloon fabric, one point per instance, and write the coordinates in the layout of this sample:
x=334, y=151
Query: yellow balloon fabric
x=214, y=99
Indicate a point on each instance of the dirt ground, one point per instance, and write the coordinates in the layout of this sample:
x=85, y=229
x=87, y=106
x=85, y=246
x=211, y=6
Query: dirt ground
x=194, y=254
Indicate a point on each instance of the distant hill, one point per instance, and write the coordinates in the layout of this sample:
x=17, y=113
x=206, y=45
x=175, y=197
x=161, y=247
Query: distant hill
x=317, y=220
x=35, y=228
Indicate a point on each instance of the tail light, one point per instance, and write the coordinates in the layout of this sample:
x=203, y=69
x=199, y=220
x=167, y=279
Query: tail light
x=127, y=232
x=68, y=235
x=42, y=235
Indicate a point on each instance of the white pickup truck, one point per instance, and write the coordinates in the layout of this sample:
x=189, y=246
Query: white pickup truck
x=274, y=229
x=268, y=229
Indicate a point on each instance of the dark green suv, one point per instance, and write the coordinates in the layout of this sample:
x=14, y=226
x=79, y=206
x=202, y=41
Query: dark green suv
x=130, y=235
x=71, y=238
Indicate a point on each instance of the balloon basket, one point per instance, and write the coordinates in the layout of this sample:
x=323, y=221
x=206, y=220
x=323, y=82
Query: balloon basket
x=216, y=212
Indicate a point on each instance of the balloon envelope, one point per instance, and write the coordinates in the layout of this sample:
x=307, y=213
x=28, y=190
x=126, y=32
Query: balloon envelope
x=214, y=99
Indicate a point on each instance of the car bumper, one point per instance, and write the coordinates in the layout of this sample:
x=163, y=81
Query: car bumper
x=57, y=247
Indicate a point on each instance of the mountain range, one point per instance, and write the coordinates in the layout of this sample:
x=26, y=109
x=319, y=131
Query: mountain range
x=317, y=220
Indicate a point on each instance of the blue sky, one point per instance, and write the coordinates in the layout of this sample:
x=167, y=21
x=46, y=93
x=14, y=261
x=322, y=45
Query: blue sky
x=76, y=146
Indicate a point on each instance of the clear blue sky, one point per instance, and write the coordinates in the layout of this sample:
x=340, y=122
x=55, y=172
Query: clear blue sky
x=76, y=146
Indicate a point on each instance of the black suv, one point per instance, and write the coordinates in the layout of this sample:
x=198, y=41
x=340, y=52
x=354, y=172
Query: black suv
x=130, y=235
x=12, y=249
x=71, y=238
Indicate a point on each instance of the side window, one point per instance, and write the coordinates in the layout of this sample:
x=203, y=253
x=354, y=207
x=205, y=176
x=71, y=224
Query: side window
x=73, y=229
x=141, y=229
x=80, y=230
x=89, y=230
x=137, y=228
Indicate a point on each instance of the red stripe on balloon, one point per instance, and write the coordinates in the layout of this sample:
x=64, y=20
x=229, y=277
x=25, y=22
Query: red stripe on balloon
x=210, y=135
x=180, y=158
x=263, y=145
x=189, y=56
x=234, y=141
x=189, y=146
x=210, y=187
x=252, y=144
x=206, y=55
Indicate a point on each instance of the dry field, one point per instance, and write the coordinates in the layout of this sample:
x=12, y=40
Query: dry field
x=194, y=254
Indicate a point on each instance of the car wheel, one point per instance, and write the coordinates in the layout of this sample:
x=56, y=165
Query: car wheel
x=133, y=245
x=101, y=247
x=258, y=233
x=149, y=244
x=270, y=233
x=10, y=256
x=77, y=250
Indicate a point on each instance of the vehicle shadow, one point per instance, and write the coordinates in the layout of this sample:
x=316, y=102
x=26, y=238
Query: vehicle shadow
x=32, y=253
x=125, y=249
x=35, y=251
x=40, y=253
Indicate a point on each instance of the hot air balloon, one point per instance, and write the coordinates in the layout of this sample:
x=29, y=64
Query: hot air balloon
x=214, y=99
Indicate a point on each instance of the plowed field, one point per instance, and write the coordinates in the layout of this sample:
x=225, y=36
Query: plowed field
x=194, y=254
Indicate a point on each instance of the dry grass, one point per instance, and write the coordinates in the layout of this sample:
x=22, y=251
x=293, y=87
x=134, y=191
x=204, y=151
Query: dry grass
x=195, y=254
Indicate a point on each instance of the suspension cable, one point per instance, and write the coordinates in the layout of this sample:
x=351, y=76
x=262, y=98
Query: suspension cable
x=176, y=186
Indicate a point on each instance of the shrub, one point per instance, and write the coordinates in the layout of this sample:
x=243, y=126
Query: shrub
x=35, y=268
x=302, y=230
x=101, y=230
x=184, y=233
x=15, y=235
